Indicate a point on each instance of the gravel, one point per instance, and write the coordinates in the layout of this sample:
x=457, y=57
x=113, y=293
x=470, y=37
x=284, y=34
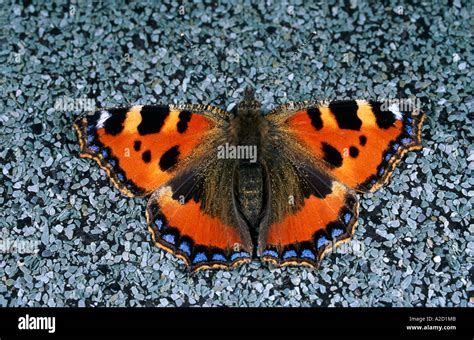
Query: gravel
x=84, y=244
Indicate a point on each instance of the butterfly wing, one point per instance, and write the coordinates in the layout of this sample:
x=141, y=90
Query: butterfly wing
x=322, y=153
x=171, y=151
x=357, y=142
x=307, y=211
x=141, y=147
x=195, y=215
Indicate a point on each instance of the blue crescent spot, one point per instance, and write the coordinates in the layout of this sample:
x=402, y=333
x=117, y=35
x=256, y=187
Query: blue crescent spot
x=94, y=148
x=347, y=217
x=308, y=254
x=105, y=153
x=409, y=120
x=200, y=257
x=321, y=242
x=289, y=253
x=395, y=146
x=120, y=176
x=90, y=127
x=381, y=171
x=409, y=130
x=337, y=232
x=388, y=156
x=169, y=238
x=113, y=162
x=184, y=247
x=235, y=256
x=406, y=140
x=90, y=139
x=219, y=257
x=159, y=223
x=270, y=252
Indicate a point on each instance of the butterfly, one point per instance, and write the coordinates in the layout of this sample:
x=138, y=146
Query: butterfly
x=226, y=185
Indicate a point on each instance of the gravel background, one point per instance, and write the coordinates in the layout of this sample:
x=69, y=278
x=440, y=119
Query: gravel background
x=415, y=235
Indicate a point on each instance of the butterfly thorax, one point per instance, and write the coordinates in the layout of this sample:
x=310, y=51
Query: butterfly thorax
x=249, y=126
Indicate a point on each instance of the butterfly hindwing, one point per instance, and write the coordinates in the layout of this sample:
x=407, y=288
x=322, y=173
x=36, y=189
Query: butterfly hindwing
x=357, y=142
x=140, y=147
x=308, y=212
x=195, y=216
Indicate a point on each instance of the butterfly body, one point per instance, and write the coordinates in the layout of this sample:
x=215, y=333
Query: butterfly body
x=225, y=186
x=249, y=124
x=250, y=186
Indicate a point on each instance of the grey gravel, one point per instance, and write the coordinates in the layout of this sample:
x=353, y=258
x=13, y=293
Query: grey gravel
x=416, y=233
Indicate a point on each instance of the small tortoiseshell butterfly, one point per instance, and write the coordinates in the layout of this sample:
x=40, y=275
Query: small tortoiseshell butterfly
x=213, y=199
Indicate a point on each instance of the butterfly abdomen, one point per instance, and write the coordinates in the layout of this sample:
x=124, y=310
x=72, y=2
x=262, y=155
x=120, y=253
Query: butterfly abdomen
x=249, y=187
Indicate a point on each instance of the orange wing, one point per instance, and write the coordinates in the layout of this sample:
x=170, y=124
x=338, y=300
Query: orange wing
x=322, y=152
x=141, y=147
x=357, y=142
x=321, y=214
x=170, y=150
x=203, y=230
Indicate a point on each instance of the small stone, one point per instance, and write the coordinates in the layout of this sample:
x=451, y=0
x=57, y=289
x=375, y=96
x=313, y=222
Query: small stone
x=258, y=287
x=33, y=188
x=295, y=280
x=462, y=66
x=158, y=89
x=46, y=253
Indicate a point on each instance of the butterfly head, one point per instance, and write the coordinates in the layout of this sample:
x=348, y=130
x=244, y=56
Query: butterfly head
x=249, y=104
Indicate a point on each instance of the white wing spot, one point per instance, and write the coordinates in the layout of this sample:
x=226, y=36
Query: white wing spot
x=395, y=109
x=104, y=115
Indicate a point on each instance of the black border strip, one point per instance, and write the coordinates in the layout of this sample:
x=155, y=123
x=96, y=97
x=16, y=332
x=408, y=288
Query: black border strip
x=242, y=322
